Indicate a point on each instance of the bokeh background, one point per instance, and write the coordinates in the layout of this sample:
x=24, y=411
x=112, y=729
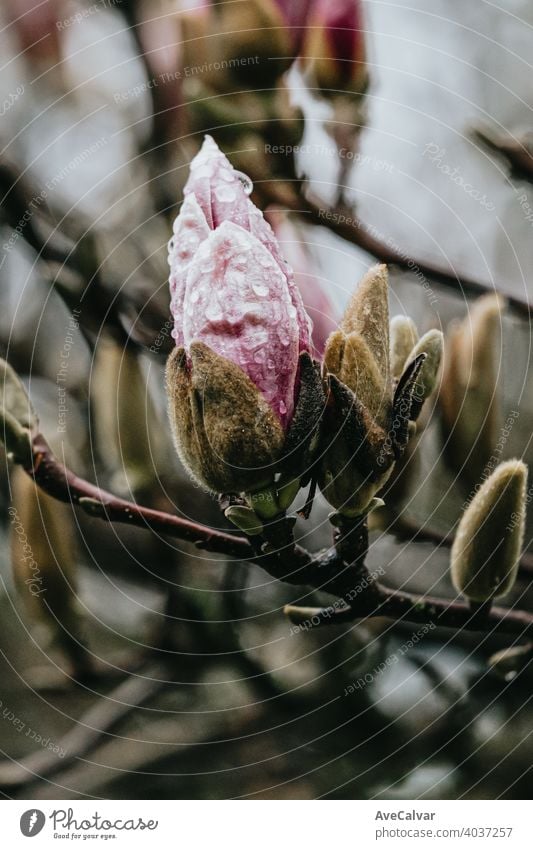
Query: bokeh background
x=200, y=687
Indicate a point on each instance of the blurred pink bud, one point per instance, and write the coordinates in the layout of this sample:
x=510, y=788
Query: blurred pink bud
x=315, y=299
x=334, y=46
x=230, y=287
x=295, y=14
x=158, y=31
x=37, y=24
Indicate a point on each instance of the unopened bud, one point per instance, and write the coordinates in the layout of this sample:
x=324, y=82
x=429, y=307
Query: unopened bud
x=14, y=398
x=469, y=398
x=367, y=314
x=403, y=338
x=486, y=549
x=431, y=345
x=245, y=519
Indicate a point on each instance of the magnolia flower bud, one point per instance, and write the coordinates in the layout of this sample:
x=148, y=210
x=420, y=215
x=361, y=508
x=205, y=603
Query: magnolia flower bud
x=403, y=338
x=244, y=393
x=255, y=29
x=367, y=424
x=430, y=345
x=334, y=46
x=487, y=546
x=469, y=397
x=18, y=420
x=36, y=25
x=14, y=398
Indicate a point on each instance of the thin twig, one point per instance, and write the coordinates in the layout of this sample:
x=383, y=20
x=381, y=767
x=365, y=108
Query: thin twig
x=325, y=571
x=400, y=605
x=344, y=223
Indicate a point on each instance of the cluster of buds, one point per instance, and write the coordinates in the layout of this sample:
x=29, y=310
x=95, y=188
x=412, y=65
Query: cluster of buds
x=378, y=381
x=253, y=414
x=246, y=48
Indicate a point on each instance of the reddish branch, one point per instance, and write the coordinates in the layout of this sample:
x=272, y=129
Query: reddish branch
x=400, y=605
x=328, y=571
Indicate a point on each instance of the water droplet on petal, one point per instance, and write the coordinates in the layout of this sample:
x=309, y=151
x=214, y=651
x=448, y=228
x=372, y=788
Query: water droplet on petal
x=247, y=184
x=260, y=289
x=282, y=408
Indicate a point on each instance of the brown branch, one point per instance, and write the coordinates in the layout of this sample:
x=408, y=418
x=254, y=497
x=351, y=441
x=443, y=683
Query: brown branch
x=326, y=571
x=518, y=152
x=404, y=606
x=61, y=483
x=344, y=223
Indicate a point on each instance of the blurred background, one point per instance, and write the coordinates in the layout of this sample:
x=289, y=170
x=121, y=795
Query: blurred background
x=158, y=670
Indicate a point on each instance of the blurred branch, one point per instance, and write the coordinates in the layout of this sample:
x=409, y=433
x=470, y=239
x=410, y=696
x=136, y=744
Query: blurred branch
x=344, y=223
x=517, y=152
x=88, y=732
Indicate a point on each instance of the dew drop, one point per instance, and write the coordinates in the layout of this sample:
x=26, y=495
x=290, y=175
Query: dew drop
x=247, y=184
x=260, y=289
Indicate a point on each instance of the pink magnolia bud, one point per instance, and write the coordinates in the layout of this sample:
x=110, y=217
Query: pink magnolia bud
x=334, y=46
x=230, y=288
x=295, y=14
x=37, y=24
